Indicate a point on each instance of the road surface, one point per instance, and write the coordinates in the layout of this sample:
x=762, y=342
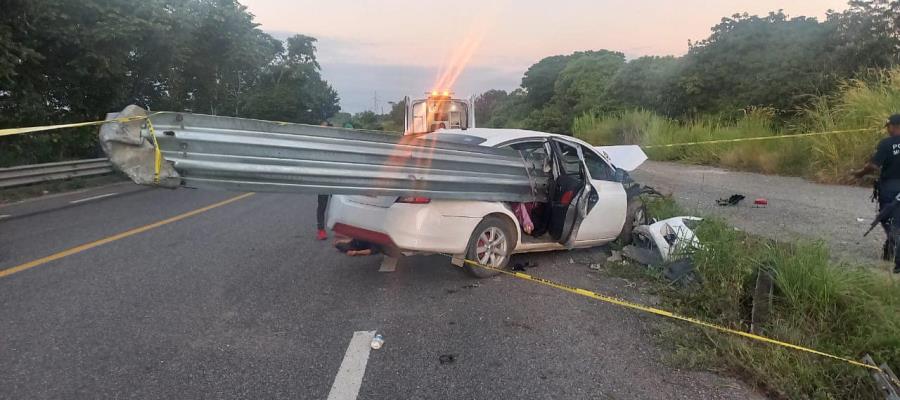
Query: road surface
x=798, y=209
x=116, y=292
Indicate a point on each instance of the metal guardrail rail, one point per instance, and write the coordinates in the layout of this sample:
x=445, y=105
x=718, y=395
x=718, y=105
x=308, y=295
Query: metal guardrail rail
x=36, y=173
x=204, y=151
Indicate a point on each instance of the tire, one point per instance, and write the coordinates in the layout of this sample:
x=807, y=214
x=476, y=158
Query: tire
x=635, y=215
x=491, y=229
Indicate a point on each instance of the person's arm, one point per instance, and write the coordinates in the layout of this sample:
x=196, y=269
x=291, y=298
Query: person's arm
x=881, y=154
x=865, y=170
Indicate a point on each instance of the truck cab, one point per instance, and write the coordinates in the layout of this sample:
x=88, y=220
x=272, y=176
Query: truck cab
x=438, y=110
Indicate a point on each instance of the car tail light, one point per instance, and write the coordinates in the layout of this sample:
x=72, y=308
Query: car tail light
x=413, y=200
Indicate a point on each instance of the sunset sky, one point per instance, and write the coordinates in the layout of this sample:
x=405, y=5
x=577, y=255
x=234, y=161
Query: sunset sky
x=398, y=48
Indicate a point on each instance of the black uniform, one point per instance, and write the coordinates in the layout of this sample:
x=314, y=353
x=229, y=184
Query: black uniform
x=887, y=156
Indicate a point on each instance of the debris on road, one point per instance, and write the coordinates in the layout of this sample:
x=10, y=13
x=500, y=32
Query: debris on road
x=615, y=256
x=447, y=358
x=596, y=267
x=377, y=341
x=760, y=202
x=731, y=201
x=682, y=271
x=642, y=255
x=523, y=266
x=669, y=238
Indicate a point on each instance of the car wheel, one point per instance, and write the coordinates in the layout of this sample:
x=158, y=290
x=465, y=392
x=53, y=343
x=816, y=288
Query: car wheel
x=491, y=244
x=635, y=215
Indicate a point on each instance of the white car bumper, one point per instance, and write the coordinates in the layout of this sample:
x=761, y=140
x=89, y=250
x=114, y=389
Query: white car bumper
x=407, y=227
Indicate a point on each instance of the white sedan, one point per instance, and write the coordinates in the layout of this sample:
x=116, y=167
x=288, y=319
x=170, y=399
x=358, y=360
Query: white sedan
x=590, y=203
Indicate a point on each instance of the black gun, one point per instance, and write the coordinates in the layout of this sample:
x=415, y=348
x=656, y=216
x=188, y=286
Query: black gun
x=884, y=214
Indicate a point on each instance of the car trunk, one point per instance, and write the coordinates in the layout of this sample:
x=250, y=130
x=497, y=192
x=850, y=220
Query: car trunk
x=377, y=201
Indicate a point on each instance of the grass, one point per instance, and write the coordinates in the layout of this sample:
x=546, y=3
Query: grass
x=859, y=104
x=840, y=309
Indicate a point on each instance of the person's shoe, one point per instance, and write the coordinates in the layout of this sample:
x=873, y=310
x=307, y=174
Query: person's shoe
x=897, y=269
x=321, y=234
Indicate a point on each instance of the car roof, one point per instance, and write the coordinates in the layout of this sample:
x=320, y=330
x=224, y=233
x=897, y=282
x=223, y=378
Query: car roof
x=495, y=136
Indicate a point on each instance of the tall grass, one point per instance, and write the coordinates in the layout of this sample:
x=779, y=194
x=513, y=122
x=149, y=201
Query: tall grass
x=836, y=308
x=859, y=104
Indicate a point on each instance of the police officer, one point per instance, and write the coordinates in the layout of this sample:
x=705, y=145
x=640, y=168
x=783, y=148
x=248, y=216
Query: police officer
x=887, y=159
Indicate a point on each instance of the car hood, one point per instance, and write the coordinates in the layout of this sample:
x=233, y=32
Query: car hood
x=627, y=157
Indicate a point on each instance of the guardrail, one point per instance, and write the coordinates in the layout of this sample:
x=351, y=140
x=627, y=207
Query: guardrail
x=27, y=174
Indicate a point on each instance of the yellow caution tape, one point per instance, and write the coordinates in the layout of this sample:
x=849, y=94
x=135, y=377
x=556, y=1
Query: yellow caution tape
x=156, y=151
x=752, y=139
x=669, y=314
x=19, y=131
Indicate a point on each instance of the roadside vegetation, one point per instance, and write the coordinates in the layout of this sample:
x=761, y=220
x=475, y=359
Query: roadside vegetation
x=753, y=76
x=858, y=104
x=70, y=61
x=842, y=309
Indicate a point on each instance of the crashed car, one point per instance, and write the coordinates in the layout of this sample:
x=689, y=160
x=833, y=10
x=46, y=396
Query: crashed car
x=590, y=201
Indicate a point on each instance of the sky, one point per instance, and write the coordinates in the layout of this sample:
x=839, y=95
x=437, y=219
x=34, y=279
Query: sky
x=373, y=52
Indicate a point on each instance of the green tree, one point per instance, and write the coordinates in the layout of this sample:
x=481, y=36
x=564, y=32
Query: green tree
x=540, y=79
x=756, y=61
x=485, y=104
x=645, y=83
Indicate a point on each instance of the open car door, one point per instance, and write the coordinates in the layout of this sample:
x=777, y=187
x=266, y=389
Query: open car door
x=570, y=191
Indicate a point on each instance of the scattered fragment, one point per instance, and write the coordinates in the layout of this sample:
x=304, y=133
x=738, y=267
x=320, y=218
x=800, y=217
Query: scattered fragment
x=377, y=342
x=596, y=267
x=760, y=202
x=731, y=201
x=642, y=255
x=615, y=256
x=523, y=266
x=680, y=271
x=860, y=220
x=447, y=358
x=470, y=286
x=668, y=238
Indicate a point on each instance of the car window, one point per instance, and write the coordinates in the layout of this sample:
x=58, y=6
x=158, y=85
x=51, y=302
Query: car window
x=597, y=167
x=534, y=151
x=571, y=164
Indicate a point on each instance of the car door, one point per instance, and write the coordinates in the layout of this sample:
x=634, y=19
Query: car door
x=607, y=204
x=570, y=193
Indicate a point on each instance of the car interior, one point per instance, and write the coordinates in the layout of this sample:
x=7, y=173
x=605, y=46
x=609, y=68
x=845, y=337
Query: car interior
x=554, y=218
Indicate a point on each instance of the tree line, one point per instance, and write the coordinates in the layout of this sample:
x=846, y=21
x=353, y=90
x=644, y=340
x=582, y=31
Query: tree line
x=773, y=61
x=68, y=60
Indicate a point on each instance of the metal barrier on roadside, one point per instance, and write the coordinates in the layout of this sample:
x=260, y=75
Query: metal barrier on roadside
x=36, y=173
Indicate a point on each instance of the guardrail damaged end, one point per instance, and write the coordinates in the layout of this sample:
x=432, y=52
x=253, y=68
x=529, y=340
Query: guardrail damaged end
x=131, y=153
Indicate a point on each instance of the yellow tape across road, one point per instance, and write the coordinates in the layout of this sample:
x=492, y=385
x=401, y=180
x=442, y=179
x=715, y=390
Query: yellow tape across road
x=668, y=314
x=752, y=139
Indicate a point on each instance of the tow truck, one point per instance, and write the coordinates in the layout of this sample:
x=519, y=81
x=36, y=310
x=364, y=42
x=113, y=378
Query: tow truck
x=438, y=110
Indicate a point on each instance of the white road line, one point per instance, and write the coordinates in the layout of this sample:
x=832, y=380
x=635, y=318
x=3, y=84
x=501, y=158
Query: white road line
x=5, y=216
x=350, y=375
x=93, y=198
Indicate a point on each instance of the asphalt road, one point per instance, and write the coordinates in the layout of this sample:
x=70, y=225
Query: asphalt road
x=798, y=209
x=240, y=301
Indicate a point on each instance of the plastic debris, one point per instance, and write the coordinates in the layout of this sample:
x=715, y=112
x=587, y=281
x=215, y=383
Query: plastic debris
x=377, y=342
x=760, y=202
x=670, y=239
x=447, y=358
x=615, y=256
x=731, y=201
